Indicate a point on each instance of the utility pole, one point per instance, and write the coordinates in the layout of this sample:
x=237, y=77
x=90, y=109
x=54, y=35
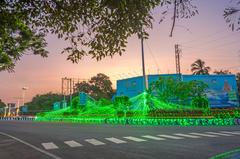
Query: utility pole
x=143, y=67
x=177, y=59
x=69, y=88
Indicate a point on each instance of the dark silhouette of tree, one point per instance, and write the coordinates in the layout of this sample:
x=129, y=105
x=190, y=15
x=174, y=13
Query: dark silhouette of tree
x=97, y=87
x=2, y=104
x=199, y=68
x=232, y=15
x=222, y=72
x=93, y=28
x=44, y=102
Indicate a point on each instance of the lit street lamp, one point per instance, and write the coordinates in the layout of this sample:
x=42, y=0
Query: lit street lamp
x=23, y=94
x=18, y=100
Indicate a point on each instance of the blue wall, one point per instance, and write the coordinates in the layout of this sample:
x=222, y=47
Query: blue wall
x=221, y=92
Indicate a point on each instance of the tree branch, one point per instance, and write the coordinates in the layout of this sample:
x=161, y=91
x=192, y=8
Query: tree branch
x=174, y=17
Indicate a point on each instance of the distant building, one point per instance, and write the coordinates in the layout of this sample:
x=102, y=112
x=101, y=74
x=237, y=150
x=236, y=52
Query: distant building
x=222, y=89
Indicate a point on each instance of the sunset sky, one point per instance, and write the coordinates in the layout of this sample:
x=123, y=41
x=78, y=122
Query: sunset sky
x=205, y=36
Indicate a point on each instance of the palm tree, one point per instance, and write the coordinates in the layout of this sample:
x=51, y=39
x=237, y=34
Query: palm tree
x=199, y=68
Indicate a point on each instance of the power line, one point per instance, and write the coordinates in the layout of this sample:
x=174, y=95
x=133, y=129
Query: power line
x=154, y=59
x=204, y=37
x=214, y=40
x=216, y=46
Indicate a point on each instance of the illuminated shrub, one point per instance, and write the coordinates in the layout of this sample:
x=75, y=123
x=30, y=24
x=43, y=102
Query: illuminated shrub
x=200, y=102
x=104, y=102
x=121, y=101
x=75, y=103
x=226, y=113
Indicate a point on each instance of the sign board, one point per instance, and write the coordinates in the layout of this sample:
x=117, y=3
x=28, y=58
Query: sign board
x=56, y=106
x=83, y=98
x=24, y=109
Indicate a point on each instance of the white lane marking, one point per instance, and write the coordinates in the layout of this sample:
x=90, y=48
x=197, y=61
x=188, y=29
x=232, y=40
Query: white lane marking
x=171, y=137
x=134, y=138
x=153, y=137
x=205, y=135
x=72, y=143
x=49, y=146
x=227, y=132
x=221, y=134
x=189, y=136
x=32, y=146
x=115, y=140
x=94, y=142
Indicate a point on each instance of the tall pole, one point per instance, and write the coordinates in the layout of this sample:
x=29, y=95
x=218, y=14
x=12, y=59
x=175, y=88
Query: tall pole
x=18, y=107
x=143, y=67
x=23, y=94
x=177, y=58
x=5, y=111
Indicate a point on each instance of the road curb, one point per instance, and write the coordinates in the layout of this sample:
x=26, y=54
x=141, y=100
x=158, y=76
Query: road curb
x=18, y=118
x=155, y=121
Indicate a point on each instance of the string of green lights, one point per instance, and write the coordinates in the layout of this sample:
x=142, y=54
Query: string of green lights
x=143, y=109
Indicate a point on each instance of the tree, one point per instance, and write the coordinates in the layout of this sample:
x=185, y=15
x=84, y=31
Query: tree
x=232, y=15
x=164, y=88
x=222, y=72
x=2, y=104
x=170, y=90
x=98, y=87
x=95, y=28
x=17, y=36
x=199, y=68
x=83, y=87
x=43, y=102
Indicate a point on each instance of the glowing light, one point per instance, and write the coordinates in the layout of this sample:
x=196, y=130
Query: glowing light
x=142, y=109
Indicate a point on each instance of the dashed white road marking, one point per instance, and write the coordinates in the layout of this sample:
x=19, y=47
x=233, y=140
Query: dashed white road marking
x=94, y=142
x=32, y=146
x=49, y=146
x=72, y=143
x=221, y=134
x=171, y=137
x=189, y=136
x=134, y=138
x=205, y=135
x=115, y=140
x=233, y=133
x=153, y=137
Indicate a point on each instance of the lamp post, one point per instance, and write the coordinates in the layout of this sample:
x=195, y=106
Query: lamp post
x=23, y=94
x=18, y=100
x=143, y=67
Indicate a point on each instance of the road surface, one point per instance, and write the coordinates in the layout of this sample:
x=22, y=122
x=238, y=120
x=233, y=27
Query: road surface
x=28, y=140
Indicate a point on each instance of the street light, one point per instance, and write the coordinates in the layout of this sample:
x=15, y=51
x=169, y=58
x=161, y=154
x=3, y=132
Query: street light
x=23, y=93
x=18, y=102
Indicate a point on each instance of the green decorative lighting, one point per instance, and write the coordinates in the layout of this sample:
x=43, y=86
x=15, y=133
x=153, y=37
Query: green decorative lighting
x=143, y=109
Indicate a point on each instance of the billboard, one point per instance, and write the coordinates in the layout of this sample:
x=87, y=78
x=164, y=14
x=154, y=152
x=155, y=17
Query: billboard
x=222, y=89
x=221, y=92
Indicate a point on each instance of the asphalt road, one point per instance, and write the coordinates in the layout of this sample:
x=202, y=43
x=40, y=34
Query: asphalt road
x=35, y=140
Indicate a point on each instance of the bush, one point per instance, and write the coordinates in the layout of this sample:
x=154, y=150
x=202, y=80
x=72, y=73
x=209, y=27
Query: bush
x=200, y=102
x=122, y=101
x=75, y=102
x=104, y=102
